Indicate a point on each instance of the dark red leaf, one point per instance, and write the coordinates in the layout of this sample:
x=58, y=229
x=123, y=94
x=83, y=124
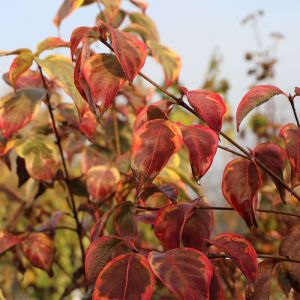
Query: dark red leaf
x=255, y=97
x=273, y=156
x=186, y=272
x=126, y=277
x=100, y=252
x=216, y=288
x=240, y=251
x=154, y=143
x=208, y=105
x=202, y=143
x=8, y=240
x=291, y=135
x=240, y=184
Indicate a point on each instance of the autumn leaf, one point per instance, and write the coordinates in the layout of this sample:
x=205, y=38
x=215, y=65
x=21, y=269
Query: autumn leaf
x=102, y=182
x=272, y=156
x=49, y=44
x=9, y=240
x=202, y=143
x=291, y=135
x=126, y=277
x=41, y=157
x=18, y=109
x=142, y=4
x=168, y=59
x=240, y=184
x=154, y=143
x=39, y=249
x=209, y=106
x=240, y=251
x=186, y=272
x=104, y=76
x=255, y=97
x=100, y=252
x=111, y=8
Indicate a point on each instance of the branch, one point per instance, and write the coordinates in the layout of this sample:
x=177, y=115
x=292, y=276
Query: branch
x=267, y=211
x=259, y=255
x=291, y=100
x=70, y=199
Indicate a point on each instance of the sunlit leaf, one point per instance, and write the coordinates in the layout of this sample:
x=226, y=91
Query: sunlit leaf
x=116, y=21
x=240, y=251
x=125, y=277
x=208, y=105
x=20, y=65
x=49, y=44
x=8, y=240
x=168, y=59
x=100, y=252
x=142, y=4
x=67, y=7
x=41, y=157
x=272, y=156
x=154, y=143
x=39, y=249
x=102, y=182
x=255, y=97
x=202, y=143
x=18, y=109
x=291, y=135
x=240, y=184
x=111, y=8
x=147, y=23
x=104, y=76
x=186, y=272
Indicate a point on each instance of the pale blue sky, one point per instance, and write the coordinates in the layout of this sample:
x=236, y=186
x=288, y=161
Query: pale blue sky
x=193, y=28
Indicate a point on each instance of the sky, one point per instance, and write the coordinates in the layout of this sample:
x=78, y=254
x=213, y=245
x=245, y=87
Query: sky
x=193, y=28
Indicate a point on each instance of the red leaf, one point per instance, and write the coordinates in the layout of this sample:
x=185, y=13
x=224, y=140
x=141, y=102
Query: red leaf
x=262, y=284
x=291, y=135
x=130, y=51
x=164, y=105
x=104, y=76
x=216, y=287
x=273, y=156
x=240, y=184
x=154, y=143
x=39, y=249
x=198, y=226
x=49, y=44
x=186, y=272
x=102, y=182
x=124, y=221
x=29, y=79
x=126, y=277
x=142, y=4
x=202, y=143
x=240, y=251
x=208, y=105
x=100, y=252
x=8, y=240
x=20, y=65
x=169, y=224
x=255, y=97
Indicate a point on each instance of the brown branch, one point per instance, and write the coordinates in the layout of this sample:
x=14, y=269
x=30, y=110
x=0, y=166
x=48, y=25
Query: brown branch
x=70, y=199
x=268, y=211
x=259, y=255
x=291, y=100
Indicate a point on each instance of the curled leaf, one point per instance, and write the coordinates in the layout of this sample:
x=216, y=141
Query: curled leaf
x=208, y=105
x=202, y=143
x=240, y=251
x=240, y=184
x=49, y=44
x=255, y=97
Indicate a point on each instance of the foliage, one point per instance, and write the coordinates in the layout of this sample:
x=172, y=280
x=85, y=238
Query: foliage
x=101, y=190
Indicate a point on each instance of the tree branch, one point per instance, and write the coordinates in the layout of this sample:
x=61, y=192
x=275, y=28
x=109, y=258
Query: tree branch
x=70, y=199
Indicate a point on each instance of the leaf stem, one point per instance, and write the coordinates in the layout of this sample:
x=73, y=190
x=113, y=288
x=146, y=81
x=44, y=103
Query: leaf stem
x=70, y=199
x=291, y=100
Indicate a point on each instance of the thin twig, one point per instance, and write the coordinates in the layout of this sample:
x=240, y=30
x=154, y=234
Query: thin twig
x=116, y=130
x=233, y=152
x=268, y=211
x=259, y=255
x=70, y=199
x=291, y=100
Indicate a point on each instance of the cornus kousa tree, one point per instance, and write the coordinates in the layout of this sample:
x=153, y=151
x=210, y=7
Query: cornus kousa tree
x=100, y=184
